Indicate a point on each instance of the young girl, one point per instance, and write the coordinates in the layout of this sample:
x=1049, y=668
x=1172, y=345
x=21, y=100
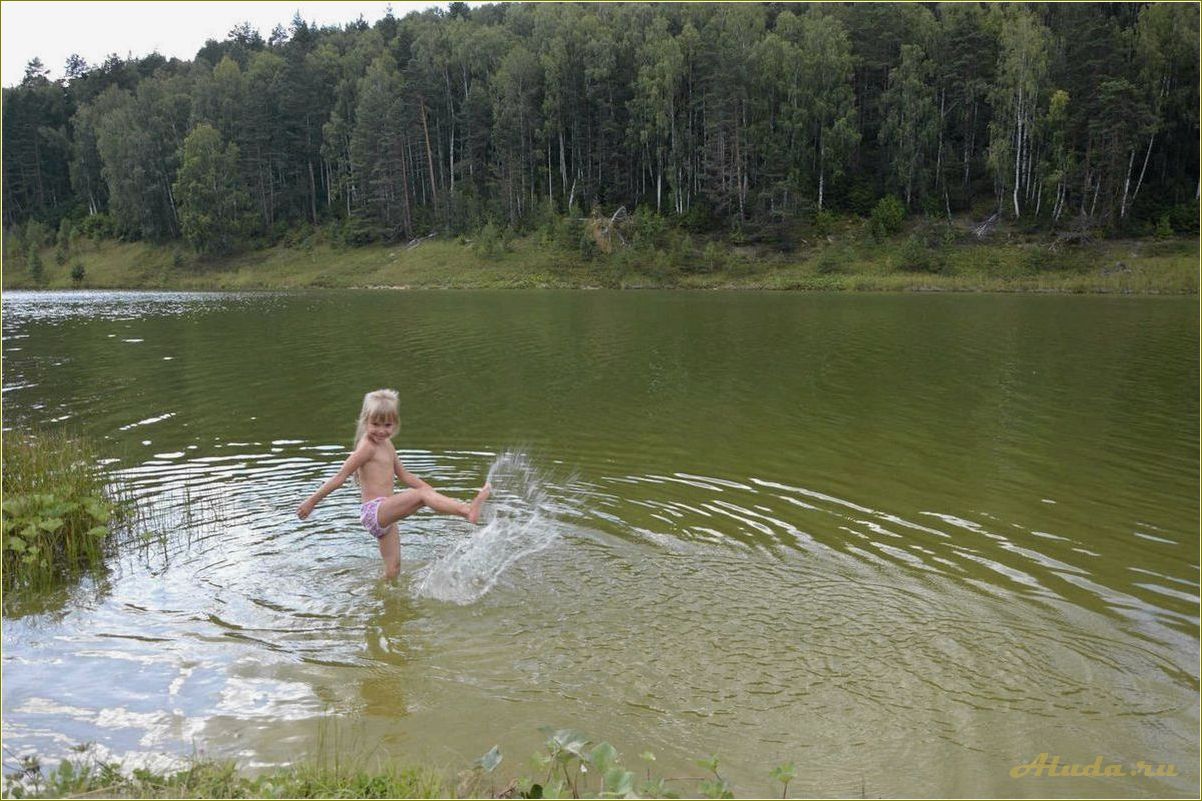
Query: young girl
x=375, y=464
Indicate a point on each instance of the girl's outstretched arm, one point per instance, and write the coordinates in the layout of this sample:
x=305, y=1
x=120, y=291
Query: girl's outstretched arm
x=353, y=463
x=407, y=478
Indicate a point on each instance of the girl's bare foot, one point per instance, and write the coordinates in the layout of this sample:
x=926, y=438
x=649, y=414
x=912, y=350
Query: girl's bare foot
x=473, y=514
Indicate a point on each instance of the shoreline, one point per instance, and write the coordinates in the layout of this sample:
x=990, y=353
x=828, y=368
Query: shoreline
x=845, y=264
x=932, y=290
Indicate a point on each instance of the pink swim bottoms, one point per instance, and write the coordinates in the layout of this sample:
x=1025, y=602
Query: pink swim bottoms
x=369, y=516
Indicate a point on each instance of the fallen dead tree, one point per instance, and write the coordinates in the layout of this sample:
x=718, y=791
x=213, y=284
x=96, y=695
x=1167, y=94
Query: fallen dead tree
x=604, y=230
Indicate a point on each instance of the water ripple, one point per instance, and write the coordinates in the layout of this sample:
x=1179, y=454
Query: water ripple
x=784, y=585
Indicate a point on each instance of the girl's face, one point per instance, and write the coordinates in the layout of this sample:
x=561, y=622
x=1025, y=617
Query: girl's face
x=379, y=430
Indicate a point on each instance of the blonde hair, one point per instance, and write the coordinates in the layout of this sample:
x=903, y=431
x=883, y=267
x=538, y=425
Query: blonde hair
x=382, y=405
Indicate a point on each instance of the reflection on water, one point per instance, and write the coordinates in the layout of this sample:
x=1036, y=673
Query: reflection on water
x=766, y=527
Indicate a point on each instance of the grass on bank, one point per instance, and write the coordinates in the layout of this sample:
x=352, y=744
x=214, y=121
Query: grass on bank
x=570, y=766
x=844, y=259
x=86, y=776
x=61, y=514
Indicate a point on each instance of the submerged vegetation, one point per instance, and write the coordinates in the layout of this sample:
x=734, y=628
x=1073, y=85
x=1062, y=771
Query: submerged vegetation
x=635, y=144
x=570, y=766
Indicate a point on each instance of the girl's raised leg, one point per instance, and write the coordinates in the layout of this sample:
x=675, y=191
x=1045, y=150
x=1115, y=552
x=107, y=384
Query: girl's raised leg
x=399, y=506
x=406, y=503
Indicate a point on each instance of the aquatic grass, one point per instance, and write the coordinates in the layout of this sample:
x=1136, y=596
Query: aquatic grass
x=62, y=515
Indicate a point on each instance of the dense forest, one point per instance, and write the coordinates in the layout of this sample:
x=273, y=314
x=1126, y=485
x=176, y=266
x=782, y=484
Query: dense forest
x=721, y=118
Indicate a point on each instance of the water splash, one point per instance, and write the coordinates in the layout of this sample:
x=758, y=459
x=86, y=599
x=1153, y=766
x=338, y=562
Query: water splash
x=520, y=519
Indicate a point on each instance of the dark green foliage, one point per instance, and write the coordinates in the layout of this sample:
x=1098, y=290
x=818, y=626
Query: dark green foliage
x=377, y=149
x=916, y=256
x=824, y=222
x=568, y=231
x=887, y=217
x=744, y=116
x=213, y=205
x=1183, y=217
x=860, y=196
x=78, y=273
x=354, y=232
x=33, y=261
x=832, y=261
x=98, y=226
x=648, y=229
x=935, y=233
x=488, y=241
x=713, y=258
x=38, y=233
x=682, y=254
x=699, y=219
x=586, y=245
x=62, y=242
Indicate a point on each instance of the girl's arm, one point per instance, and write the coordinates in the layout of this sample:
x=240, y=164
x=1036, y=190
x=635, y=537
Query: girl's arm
x=353, y=463
x=406, y=477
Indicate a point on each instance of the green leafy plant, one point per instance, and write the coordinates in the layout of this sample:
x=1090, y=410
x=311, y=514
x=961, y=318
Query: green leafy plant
x=716, y=787
x=915, y=256
x=565, y=751
x=713, y=257
x=60, y=515
x=489, y=242
x=33, y=260
x=470, y=782
x=784, y=773
x=887, y=217
x=569, y=762
x=824, y=222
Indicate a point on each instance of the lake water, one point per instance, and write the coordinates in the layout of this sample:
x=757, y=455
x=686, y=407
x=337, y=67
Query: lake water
x=907, y=542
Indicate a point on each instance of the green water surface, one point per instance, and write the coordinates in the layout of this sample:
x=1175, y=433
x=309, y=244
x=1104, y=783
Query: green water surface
x=907, y=542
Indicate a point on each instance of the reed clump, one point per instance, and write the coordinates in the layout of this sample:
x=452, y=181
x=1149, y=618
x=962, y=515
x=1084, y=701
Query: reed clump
x=61, y=513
